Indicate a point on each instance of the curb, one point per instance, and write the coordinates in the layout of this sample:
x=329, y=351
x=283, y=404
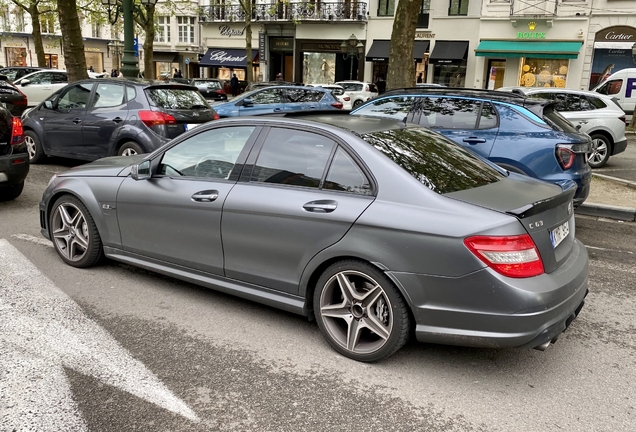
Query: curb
x=607, y=211
x=628, y=183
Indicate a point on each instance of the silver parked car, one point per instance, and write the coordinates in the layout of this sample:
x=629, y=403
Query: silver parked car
x=373, y=227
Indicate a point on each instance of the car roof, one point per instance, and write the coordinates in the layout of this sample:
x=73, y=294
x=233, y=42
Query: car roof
x=141, y=82
x=527, y=90
x=358, y=124
x=492, y=95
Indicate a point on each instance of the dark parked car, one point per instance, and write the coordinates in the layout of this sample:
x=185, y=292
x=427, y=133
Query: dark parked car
x=211, y=89
x=105, y=117
x=260, y=84
x=17, y=72
x=12, y=98
x=14, y=159
x=521, y=134
x=373, y=227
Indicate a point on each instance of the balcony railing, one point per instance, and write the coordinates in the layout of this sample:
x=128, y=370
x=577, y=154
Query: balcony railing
x=533, y=8
x=283, y=11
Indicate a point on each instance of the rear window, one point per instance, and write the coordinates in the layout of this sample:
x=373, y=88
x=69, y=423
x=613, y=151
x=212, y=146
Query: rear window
x=433, y=160
x=556, y=120
x=208, y=84
x=351, y=86
x=596, y=102
x=175, y=99
x=336, y=91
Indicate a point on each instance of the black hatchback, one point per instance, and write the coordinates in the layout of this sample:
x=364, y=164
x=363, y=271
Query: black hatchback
x=14, y=162
x=95, y=118
x=210, y=89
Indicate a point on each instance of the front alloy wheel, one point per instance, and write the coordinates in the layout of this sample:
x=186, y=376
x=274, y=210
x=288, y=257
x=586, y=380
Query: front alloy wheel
x=360, y=312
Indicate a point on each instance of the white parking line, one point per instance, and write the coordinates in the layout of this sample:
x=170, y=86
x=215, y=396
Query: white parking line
x=609, y=250
x=36, y=240
x=43, y=331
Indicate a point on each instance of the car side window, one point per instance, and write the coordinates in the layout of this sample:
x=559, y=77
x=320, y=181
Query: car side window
x=269, y=96
x=445, y=113
x=585, y=104
x=74, y=97
x=41, y=78
x=210, y=154
x=59, y=78
x=611, y=87
x=394, y=107
x=488, y=117
x=566, y=102
x=108, y=95
x=293, y=157
x=131, y=94
x=345, y=175
x=596, y=103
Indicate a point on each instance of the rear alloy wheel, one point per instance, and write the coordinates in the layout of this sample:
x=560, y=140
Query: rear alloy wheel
x=10, y=192
x=357, y=103
x=130, y=148
x=360, y=312
x=600, y=153
x=75, y=236
x=36, y=154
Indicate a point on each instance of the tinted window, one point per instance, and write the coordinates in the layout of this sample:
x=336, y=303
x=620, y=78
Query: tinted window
x=176, y=98
x=556, y=120
x=336, y=91
x=269, y=96
x=59, y=78
x=445, y=113
x=11, y=74
x=373, y=88
x=488, y=118
x=41, y=78
x=351, y=86
x=596, y=102
x=293, y=157
x=436, y=162
x=611, y=87
x=108, y=95
x=210, y=154
x=301, y=95
x=585, y=104
x=394, y=107
x=75, y=97
x=131, y=93
x=346, y=175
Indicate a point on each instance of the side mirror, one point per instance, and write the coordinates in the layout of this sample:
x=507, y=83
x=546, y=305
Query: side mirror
x=248, y=102
x=578, y=127
x=25, y=82
x=141, y=171
x=49, y=105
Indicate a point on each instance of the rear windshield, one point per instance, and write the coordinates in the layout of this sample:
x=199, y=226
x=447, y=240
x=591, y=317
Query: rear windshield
x=351, y=86
x=433, y=160
x=336, y=91
x=208, y=84
x=175, y=99
x=556, y=120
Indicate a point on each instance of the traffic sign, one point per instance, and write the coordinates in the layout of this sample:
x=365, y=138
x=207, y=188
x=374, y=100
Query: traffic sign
x=187, y=60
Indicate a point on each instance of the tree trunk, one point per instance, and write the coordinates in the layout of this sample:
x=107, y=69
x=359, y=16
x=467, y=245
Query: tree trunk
x=149, y=28
x=401, y=63
x=37, y=35
x=72, y=43
x=249, y=73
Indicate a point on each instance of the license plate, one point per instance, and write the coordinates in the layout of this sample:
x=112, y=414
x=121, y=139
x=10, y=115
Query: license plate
x=558, y=234
x=190, y=126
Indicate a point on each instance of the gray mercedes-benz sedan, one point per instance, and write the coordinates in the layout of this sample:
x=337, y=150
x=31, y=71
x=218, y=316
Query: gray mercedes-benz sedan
x=375, y=228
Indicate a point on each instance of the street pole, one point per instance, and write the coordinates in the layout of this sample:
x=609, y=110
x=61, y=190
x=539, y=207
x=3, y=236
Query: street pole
x=130, y=67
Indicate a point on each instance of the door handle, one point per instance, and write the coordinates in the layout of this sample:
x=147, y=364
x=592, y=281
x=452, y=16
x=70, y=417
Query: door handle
x=321, y=206
x=77, y=121
x=278, y=109
x=474, y=140
x=583, y=122
x=312, y=107
x=118, y=119
x=205, y=196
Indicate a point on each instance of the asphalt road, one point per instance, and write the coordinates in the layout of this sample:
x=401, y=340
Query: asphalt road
x=170, y=356
x=622, y=165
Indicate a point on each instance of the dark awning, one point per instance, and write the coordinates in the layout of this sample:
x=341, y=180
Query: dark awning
x=379, y=50
x=529, y=49
x=163, y=57
x=445, y=52
x=226, y=57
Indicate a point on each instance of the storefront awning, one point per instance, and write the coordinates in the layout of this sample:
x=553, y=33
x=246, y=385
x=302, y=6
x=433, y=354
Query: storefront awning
x=446, y=52
x=226, y=57
x=530, y=49
x=163, y=57
x=379, y=50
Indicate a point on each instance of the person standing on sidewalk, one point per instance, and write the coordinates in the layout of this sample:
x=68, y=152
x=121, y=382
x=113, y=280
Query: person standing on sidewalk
x=234, y=83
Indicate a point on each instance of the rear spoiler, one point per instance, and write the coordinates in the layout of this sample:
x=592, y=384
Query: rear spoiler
x=568, y=187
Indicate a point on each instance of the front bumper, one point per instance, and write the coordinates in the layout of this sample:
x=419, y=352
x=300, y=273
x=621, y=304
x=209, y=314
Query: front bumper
x=486, y=309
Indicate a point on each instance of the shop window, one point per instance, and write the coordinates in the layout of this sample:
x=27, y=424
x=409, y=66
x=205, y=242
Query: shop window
x=450, y=75
x=458, y=8
x=424, y=14
x=543, y=73
x=16, y=56
x=50, y=60
x=611, y=87
x=386, y=8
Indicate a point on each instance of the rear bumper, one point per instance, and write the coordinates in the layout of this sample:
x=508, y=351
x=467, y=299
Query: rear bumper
x=485, y=309
x=13, y=168
x=619, y=147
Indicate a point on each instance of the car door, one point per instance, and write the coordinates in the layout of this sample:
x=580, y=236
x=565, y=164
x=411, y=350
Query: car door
x=104, y=117
x=469, y=122
x=282, y=213
x=63, y=124
x=263, y=102
x=175, y=216
x=58, y=81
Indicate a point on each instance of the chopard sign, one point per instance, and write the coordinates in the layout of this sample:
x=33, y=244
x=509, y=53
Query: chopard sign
x=222, y=57
x=229, y=32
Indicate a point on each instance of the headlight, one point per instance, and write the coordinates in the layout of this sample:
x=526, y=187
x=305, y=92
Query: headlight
x=54, y=178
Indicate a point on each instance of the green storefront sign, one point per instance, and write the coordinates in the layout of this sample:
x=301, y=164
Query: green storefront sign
x=530, y=35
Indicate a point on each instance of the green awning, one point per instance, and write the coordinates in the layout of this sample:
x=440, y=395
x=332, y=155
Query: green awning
x=529, y=49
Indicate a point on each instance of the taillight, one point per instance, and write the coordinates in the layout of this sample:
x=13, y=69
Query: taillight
x=347, y=98
x=154, y=118
x=338, y=105
x=17, y=131
x=22, y=101
x=216, y=116
x=565, y=156
x=623, y=119
x=512, y=256
x=220, y=91
x=366, y=88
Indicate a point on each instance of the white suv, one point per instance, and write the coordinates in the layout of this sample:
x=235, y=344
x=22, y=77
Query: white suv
x=359, y=91
x=599, y=116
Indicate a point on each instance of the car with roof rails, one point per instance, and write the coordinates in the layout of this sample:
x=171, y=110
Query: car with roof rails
x=94, y=118
x=521, y=134
x=600, y=116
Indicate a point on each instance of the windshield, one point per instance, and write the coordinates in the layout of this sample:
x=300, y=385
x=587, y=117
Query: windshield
x=433, y=160
x=175, y=99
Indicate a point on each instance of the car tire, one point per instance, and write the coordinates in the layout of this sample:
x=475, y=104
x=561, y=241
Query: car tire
x=601, y=150
x=130, y=148
x=11, y=192
x=74, y=233
x=360, y=311
x=357, y=103
x=34, y=147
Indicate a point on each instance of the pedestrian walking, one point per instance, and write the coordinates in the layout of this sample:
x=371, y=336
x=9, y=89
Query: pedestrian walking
x=234, y=83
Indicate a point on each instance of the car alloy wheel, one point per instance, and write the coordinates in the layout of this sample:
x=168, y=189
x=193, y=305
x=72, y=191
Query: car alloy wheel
x=34, y=148
x=600, y=151
x=360, y=312
x=30, y=146
x=130, y=149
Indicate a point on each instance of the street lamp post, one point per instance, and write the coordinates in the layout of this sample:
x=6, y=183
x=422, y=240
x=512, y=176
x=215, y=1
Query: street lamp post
x=351, y=48
x=130, y=64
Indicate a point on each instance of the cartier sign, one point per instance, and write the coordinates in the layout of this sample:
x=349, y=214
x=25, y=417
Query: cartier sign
x=229, y=32
x=221, y=56
x=617, y=34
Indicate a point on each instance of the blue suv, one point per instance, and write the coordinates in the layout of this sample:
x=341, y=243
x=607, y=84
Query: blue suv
x=520, y=134
x=278, y=99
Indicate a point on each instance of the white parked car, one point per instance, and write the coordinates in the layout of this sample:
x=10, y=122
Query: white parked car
x=599, y=116
x=339, y=92
x=359, y=91
x=43, y=83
